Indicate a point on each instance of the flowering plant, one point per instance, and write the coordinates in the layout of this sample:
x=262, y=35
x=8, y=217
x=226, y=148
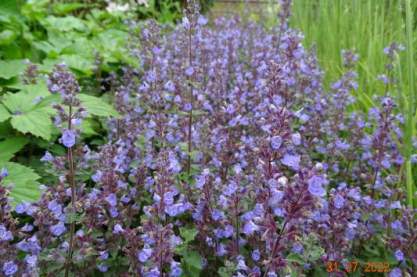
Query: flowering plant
x=230, y=159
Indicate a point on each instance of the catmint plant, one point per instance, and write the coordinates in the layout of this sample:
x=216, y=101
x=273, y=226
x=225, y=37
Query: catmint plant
x=229, y=158
x=68, y=119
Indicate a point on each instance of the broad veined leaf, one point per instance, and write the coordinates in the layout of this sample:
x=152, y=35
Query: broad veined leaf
x=36, y=122
x=46, y=47
x=81, y=46
x=28, y=116
x=45, y=103
x=64, y=24
x=23, y=181
x=10, y=146
x=78, y=62
x=11, y=68
x=16, y=103
x=97, y=106
x=4, y=114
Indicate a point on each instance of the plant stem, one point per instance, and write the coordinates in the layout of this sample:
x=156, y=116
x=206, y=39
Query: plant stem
x=190, y=114
x=71, y=180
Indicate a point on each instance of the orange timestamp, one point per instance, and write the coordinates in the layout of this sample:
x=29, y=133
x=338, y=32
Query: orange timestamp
x=354, y=266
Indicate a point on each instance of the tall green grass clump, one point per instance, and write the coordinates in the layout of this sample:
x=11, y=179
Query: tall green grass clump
x=367, y=26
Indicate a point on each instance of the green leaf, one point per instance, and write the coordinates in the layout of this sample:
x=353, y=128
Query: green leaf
x=9, y=7
x=17, y=103
x=10, y=146
x=87, y=127
x=46, y=103
x=11, y=68
x=23, y=181
x=188, y=234
x=97, y=106
x=35, y=90
x=4, y=114
x=295, y=258
x=28, y=117
x=192, y=263
x=79, y=63
x=7, y=37
x=65, y=8
x=64, y=24
x=36, y=122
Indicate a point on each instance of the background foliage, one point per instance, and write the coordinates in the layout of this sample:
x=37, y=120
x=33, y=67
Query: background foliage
x=88, y=36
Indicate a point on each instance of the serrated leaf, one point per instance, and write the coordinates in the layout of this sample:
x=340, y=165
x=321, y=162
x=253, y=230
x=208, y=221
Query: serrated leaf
x=28, y=117
x=97, y=106
x=10, y=146
x=4, y=114
x=23, y=181
x=11, y=68
x=36, y=122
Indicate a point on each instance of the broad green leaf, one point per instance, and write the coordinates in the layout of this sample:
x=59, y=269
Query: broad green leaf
x=34, y=91
x=87, y=127
x=97, y=106
x=192, y=263
x=27, y=116
x=23, y=181
x=17, y=103
x=64, y=24
x=46, y=47
x=11, y=68
x=4, y=114
x=10, y=146
x=36, y=122
x=46, y=103
x=81, y=47
x=79, y=63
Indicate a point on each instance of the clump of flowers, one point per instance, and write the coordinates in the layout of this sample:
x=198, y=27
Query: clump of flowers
x=229, y=158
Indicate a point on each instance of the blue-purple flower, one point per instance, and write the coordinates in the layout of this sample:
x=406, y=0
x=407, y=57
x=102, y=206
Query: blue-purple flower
x=68, y=138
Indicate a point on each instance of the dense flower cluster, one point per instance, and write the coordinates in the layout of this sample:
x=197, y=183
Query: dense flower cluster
x=229, y=158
